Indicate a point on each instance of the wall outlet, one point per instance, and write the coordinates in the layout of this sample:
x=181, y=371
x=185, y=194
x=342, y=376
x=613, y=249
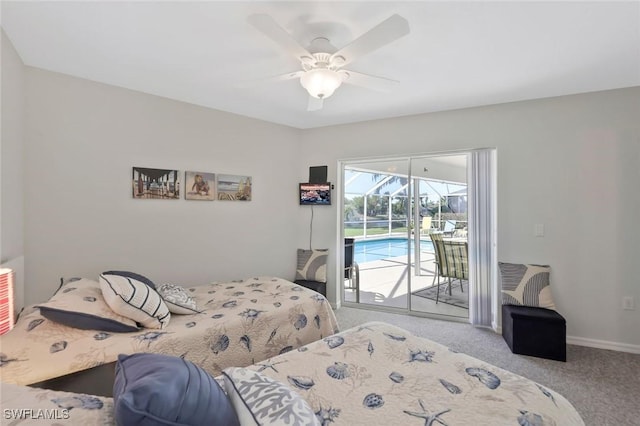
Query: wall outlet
x=538, y=230
x=628, y=304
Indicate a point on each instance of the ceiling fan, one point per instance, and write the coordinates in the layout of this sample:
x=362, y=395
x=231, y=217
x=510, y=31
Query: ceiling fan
x=322, y=64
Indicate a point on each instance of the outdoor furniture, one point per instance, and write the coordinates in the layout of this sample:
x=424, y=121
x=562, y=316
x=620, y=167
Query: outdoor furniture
x=451, y=259
x=351, y=269
x=538, y=332
x=449, y=227
x=426, y=225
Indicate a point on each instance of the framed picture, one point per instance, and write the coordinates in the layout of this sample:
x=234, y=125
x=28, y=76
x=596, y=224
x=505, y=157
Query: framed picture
x=234, y=188
x=163, y=184
x=200, y=186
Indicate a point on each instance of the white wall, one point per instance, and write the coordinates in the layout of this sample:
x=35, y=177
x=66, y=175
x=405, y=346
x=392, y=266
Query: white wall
x=81, y=141
x=571, y=163
x=12, y=164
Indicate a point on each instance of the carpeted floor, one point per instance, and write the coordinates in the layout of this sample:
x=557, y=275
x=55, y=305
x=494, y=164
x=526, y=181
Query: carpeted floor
x=603, y=385
x=457, y=298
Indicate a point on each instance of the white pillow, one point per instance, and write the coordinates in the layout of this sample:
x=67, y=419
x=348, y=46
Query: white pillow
x=177, y=299
x=260, y=400
x=134, y=299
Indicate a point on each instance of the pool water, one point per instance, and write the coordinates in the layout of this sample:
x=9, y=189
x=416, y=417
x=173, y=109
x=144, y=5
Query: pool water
x=370, y=250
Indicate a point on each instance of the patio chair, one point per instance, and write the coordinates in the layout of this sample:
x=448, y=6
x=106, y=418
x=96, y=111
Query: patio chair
x=351, y=269
x=426, y=225
x=451, y=261
x=449, y=227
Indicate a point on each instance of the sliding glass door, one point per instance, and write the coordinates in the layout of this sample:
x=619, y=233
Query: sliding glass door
x=440, y=280
x=391, y=208
x=376, y=226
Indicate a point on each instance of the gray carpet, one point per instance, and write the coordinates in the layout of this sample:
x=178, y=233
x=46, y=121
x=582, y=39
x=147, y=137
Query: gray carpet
x=603, y=385
x=457, y=298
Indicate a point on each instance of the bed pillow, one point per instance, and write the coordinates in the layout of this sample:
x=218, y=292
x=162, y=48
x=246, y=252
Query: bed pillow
x=177, y=299
x=155, y=389
x=312, y=265
x=526, y=285
x=260, y=400
x=79, y=304
x=134, y=299
x=133, y=275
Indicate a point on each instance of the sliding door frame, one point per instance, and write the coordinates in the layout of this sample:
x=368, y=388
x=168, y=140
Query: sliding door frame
x=341, y=164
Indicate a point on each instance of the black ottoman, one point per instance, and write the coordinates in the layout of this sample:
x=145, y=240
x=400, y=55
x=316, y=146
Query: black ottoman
x=314, y=285
x=536, y=332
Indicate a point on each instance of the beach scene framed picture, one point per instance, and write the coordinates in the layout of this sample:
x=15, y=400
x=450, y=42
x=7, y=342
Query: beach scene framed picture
x=234, y=187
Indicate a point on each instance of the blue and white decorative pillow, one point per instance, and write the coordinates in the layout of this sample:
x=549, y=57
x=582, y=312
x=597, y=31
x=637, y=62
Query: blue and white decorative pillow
x=177, y=299
x=134, y=299
x=133, y=275
x=312, y=265
x=526, y=285
x=260, y=400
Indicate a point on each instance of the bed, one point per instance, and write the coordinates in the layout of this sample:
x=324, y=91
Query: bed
x=372, y=374
x=25, y=405
x=379, y=371
x=239, y=323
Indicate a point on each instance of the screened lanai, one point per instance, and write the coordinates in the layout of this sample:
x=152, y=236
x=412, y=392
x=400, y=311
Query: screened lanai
x=376, y=204
x=388, y=217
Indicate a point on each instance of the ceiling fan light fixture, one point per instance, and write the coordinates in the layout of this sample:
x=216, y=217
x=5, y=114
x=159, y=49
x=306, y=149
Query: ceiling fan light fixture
x=321, y=82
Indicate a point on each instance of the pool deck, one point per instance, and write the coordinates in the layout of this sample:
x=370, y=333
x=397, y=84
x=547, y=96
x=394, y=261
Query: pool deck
x=384, y=283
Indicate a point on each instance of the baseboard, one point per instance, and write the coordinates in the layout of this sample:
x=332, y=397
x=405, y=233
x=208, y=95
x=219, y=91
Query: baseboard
x=603, y=344
x=598, y=344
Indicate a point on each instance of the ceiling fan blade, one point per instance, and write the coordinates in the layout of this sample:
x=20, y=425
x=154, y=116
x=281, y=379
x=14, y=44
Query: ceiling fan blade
x=282, y=77
x=266, y=25
x=380, y=84
x=384, y=33
x=314, y=104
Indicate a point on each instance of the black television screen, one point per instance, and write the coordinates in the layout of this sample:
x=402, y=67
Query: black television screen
x=315, y=194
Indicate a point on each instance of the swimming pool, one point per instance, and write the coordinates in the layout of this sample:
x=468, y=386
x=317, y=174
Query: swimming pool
x=384, y=248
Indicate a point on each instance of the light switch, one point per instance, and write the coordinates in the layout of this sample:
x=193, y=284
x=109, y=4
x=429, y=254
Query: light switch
x=538, y=230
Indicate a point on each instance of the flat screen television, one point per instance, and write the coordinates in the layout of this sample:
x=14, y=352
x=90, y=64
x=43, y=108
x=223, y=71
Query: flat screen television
x=315, y=194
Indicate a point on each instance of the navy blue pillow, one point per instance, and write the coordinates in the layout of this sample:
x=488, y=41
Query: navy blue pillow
x=85, y=321
x=154, y=389
x=133, y=275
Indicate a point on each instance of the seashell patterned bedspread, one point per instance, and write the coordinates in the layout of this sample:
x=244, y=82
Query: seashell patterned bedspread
x=381, y=374
x=242, y=322
x=375, y=374
x=33, y=406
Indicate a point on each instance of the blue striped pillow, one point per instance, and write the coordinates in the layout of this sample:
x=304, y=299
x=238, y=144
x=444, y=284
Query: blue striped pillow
x=134, y=299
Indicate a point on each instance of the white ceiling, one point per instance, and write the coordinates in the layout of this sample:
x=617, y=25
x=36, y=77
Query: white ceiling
x=458, y=54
